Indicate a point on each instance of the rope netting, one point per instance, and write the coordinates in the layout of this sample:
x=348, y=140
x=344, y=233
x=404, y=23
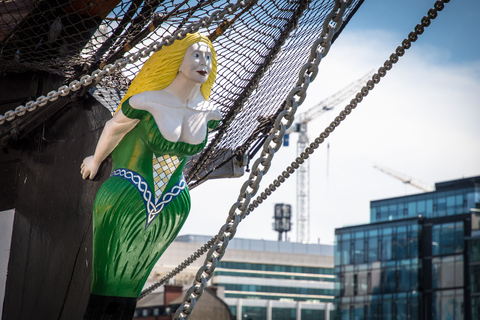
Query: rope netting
x=261, y=55
x=259, y=48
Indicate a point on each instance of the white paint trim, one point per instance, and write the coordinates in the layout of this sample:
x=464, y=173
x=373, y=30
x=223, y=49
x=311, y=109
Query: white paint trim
x=275, y=282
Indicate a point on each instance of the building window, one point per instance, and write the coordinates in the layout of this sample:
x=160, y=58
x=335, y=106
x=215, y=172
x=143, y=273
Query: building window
x=369, y=283
x=475, y=307
x=348, y=284
x=447, y=272
x=355, y=284
x=401, y=246
x=352, y=252
x=387, y=248
x=365, y=251
x=359, y=251
x=376, y=281
x=372, y=248
x=254, y=313
x=342, y=285
x=309, y=314
x=475, y=279
x=448, y=304
x=283, y=314
x=447, y=238
x=362, y=283
x=380, y=249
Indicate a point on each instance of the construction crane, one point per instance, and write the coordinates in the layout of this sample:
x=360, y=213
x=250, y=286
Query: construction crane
x=406, y=179
x=303, y=172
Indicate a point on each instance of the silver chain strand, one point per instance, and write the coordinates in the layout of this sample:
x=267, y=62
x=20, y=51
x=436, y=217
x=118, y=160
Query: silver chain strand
x=425, y=22
x=179, y=268
x=382, y=71
x=119, y=64
x=272, y=144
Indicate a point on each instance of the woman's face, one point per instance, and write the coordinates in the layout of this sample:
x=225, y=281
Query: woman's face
x=197, y=62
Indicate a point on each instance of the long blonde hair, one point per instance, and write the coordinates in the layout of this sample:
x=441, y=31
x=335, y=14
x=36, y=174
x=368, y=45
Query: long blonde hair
x=162, y=68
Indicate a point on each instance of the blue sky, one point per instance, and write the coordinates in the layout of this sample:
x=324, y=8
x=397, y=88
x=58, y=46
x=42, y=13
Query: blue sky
x=456, y=28
x=421, y=120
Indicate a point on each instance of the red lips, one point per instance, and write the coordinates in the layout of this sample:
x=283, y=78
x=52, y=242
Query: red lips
x=202, y=72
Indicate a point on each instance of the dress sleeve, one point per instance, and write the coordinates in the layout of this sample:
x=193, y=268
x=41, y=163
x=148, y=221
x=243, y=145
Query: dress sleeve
x=131, y=112
x=213, y=124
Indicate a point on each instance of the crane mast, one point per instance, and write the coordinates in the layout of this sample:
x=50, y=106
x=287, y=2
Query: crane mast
x=303, y=172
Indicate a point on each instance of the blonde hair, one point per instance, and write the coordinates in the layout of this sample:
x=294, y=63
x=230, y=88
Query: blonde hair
x=162, y=68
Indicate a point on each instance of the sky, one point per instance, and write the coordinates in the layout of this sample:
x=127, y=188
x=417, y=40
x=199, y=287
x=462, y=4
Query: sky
x=421, y=120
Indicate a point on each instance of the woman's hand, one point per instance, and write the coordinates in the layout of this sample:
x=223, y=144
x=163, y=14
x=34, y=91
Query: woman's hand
x=89, y=168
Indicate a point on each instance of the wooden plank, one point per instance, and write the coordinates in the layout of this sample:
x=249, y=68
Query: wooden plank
x=50, y=261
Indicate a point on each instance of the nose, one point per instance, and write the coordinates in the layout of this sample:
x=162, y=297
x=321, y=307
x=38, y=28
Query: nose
x=203, y=60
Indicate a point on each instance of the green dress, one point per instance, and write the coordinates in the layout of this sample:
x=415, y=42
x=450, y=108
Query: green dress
x=140, y=209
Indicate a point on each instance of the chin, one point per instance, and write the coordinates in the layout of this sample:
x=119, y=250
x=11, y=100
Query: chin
x=201, y=80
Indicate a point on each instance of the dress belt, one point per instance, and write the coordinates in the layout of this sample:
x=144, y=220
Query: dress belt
x=153, y=206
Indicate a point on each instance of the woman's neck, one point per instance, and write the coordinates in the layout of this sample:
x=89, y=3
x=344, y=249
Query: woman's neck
x=184, y=89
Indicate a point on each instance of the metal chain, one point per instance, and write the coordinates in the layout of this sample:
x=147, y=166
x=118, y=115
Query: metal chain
x=179, y=268
x=249, y=88
x=425, y=22
x=382, y=71
x=119, y=64
x=272, y=144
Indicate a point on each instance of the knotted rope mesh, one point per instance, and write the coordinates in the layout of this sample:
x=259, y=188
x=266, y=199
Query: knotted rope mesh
x=260, y=50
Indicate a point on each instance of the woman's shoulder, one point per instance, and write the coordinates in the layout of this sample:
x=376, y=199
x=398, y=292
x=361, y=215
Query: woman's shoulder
x=147, y=99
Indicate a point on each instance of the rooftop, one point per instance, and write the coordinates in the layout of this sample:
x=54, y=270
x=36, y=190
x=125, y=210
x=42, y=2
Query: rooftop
x=267, y=245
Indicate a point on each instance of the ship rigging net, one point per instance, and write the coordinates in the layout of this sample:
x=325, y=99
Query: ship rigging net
x=260, y=49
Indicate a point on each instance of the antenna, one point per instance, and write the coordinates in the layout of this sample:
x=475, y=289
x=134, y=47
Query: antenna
x=282, y=216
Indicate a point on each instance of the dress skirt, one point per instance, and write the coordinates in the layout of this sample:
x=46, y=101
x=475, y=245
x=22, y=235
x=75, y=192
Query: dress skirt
x=125, y=250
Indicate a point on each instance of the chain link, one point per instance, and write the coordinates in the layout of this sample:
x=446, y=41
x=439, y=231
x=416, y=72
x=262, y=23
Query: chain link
x=179, y=268
x=119, y=64
x=262, y=164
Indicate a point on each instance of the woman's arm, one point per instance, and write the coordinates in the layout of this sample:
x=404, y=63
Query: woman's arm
x=115, y=129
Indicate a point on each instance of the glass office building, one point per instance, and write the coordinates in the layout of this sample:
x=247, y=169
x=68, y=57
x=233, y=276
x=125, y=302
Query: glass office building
x=419, y=258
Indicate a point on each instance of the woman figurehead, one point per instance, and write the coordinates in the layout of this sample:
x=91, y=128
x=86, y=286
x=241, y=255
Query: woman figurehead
x=162, y=67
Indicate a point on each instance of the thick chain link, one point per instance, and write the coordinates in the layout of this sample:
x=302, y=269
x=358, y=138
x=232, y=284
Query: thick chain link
x=382, y=71
x=272, y=144
x=119, y=64
x=179, y=268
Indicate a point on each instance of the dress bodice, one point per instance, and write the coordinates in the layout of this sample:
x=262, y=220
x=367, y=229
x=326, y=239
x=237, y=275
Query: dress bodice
x=136, y=149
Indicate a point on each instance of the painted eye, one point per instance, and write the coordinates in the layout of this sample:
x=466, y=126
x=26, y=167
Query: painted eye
x=208, y=57
x=197, y=55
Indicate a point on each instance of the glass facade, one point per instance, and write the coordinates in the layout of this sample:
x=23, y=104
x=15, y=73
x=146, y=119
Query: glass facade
x=254, y=313
x=429, y=205
x=474, y=269
x=284, y=314
x=313, y=315
x=415, y=260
